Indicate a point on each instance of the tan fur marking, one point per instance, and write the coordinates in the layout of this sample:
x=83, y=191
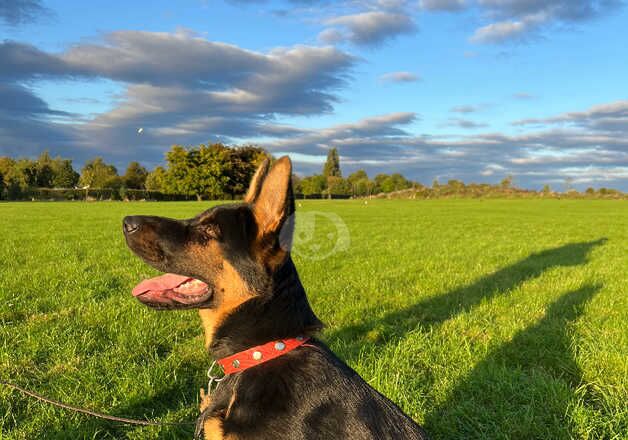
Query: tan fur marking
x=213, y=430
x=232, y=291
x=256, y=182
x=205, y=399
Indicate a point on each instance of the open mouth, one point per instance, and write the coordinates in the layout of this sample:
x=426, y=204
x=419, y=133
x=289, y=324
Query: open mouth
x=172, y=291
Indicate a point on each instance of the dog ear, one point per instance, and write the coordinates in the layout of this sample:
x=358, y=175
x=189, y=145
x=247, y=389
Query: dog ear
x=256, y=182
x=274, y=205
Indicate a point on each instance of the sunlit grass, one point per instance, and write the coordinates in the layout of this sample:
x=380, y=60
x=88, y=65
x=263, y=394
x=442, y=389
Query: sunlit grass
x=481, y=319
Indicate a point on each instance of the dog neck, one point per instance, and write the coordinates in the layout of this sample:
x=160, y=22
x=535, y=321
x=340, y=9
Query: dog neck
x=282, y=312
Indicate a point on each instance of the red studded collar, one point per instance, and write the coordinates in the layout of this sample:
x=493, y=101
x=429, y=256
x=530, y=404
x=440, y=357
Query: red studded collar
x=259, y=354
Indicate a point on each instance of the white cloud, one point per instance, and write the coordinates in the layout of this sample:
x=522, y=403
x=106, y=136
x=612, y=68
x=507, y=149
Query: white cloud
x=331, y=36
x=508, y=29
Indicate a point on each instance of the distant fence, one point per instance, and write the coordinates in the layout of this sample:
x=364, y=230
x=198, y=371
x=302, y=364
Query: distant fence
x=69, y=194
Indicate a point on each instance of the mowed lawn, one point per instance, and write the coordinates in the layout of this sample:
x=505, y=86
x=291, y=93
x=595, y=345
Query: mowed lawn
x=482, y=319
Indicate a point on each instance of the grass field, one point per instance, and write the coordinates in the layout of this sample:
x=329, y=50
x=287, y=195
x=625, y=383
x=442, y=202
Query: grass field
x=481, y=319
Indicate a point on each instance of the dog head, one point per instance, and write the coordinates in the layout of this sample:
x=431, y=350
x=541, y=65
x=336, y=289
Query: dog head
x=223, y=256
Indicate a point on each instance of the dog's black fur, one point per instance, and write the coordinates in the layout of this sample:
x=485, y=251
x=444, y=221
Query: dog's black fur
x=307, y=393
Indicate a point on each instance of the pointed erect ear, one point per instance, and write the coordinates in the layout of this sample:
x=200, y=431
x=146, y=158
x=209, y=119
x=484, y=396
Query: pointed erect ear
x=256, y=182
x=274, y=205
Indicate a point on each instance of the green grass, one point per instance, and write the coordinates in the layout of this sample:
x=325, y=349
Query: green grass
x=481, y=319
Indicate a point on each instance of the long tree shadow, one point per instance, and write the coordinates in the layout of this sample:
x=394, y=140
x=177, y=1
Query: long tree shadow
x=439, y=308
x=523, y=389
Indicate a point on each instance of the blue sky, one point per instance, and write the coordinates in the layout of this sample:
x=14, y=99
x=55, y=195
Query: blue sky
x=469, y=89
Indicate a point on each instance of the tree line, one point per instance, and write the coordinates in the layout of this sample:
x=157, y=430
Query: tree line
x=216, y=171
x=330, y=181
x=206, y=171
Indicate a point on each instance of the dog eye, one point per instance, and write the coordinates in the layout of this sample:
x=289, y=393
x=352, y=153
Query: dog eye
x=210, y=231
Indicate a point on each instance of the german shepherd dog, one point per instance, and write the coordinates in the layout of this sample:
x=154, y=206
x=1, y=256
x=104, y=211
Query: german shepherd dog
x=232, y=262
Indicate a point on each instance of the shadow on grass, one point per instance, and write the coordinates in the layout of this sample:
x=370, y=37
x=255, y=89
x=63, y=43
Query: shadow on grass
x=439, y=308
x=524, y=388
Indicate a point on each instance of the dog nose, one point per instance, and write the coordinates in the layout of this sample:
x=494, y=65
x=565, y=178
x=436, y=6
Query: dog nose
x=131, y=224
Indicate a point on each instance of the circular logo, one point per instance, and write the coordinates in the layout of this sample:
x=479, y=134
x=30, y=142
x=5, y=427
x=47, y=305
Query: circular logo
x=319, y=235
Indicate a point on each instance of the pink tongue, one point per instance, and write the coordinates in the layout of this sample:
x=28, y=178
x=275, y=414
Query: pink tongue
x=165, y=282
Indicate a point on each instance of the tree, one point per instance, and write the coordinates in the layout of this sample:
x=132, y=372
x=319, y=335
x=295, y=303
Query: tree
x=135, y=176
x=379, y=180
x=313, y=184
x=64, y=175
x=360, y=183
x=7, y=166
x=14, y=181
x=243, y=164
x=388, y=185
x=114, y=182
x=25, y=173
x=358, y=175
x=296, y=184
x=338, y=185
x=156, y=180
x=96, y=173
x=201, y=172
x=332, y=165
x=363, y=187
x=506, y=182
x=400, y=182
x=44, y=173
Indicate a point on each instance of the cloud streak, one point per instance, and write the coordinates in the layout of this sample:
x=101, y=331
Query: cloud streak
x=179, y=87
x=464, y=123
x=464, y=109
x=371, y=28
x=518, y=20
x=370, y=23
x=399, y=77
x=19, y=12
x=594, y=156
x=442, y=5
